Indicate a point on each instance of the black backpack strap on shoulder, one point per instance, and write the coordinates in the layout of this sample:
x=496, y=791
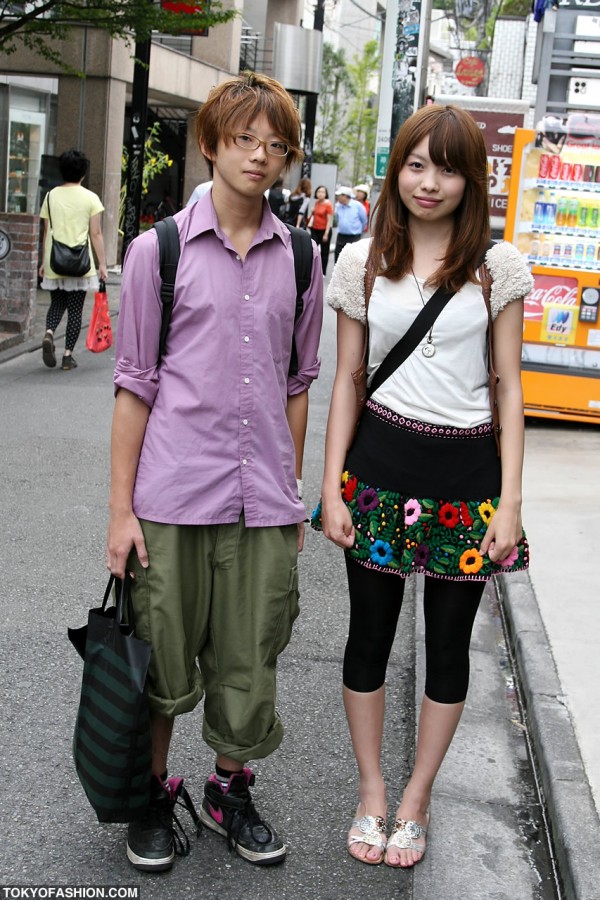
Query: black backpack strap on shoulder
x=168, y=250
x=303, y=257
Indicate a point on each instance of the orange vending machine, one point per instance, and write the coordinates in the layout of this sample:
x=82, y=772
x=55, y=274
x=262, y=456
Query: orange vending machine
x=553, y=218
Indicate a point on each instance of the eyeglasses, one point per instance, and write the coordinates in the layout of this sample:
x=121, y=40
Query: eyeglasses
x=250, y=142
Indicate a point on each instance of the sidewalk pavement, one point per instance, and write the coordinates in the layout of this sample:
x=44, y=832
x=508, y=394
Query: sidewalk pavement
x=471, y=810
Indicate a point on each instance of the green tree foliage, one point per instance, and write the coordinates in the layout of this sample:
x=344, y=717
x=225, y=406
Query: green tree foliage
x=361, y=121
x=335, y=81
x=39, y=24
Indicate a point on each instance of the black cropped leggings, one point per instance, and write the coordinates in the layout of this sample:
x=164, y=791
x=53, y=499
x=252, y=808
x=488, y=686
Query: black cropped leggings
x=375, y=603
x=72, y=302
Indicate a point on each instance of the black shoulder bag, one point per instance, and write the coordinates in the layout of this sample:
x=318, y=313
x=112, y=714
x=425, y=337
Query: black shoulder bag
x=65, y=260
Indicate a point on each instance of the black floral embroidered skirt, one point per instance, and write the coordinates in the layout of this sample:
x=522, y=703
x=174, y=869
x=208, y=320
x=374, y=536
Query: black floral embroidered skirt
x=421, y=497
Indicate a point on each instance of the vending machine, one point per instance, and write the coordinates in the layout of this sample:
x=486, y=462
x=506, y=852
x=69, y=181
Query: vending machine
x=553, y=218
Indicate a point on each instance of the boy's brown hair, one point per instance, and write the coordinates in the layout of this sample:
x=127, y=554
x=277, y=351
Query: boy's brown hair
x=233, y=105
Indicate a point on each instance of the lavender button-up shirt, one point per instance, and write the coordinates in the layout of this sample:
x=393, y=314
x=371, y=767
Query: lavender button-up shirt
x=217, y=440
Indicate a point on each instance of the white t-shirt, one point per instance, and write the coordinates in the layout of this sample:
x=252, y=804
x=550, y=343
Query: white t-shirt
x=451, y=387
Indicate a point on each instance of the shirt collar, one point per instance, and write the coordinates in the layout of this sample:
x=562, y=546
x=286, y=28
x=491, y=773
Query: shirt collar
x=203, y=218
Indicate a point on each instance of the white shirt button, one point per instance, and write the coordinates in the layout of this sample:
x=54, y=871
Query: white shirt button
x=244, y=462
x=237, y=255
x=246, y=381
x=246, y=296
x=246, y=339
x=244, y=421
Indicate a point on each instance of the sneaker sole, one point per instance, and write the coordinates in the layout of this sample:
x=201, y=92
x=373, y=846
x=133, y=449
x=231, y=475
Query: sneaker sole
x=48, y=354
x=145, y=864
x=260, y=859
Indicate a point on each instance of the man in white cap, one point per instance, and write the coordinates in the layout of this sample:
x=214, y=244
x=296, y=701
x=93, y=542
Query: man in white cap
x=352, y=219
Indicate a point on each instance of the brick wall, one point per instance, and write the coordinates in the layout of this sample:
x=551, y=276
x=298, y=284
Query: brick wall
x=18, y=274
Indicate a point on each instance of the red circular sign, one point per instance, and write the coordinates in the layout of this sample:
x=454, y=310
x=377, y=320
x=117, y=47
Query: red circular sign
x=470, y=71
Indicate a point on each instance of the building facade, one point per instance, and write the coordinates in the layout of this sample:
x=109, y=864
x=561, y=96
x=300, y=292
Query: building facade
x=44, y=110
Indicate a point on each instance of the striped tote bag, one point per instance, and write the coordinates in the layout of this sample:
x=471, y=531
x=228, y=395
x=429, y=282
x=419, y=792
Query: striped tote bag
x=112, y=743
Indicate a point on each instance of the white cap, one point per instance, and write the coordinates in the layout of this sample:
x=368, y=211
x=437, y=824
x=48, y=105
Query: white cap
x=344, y=190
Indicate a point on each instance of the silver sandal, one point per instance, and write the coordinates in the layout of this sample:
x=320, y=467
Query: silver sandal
x=403, y=837
x=372, y=830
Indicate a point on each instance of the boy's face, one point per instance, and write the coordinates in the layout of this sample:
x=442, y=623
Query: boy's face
x=247, y=172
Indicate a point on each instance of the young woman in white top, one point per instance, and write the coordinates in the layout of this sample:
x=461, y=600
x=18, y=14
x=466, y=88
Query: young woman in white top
x=423, y=489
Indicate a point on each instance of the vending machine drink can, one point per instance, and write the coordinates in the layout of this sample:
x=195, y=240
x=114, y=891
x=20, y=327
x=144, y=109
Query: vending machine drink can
x=546, y=249
x=577, y=172
x=582, y=219
x=579, y=251
x=588, y=173
x=544, y=169
x=557, y=251
x=565, y=171
x=594, y=216
x=554, y=166
x=590, y=253
x=568, y=251
x=597, y=174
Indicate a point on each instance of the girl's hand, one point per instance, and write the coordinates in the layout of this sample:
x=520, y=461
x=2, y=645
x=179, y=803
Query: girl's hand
x=502, y=535
x=337, y=523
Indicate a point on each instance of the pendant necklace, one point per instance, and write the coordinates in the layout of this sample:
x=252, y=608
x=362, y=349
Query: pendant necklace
x=427, y=349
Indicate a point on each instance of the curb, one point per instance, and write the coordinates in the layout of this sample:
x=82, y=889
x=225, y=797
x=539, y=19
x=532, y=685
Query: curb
x=573, y=819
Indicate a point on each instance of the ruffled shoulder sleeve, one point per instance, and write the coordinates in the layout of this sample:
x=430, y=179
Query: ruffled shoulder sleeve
x=346, y=289
x=511, y=279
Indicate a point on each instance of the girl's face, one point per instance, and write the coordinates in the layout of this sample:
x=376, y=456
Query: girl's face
x=321, y=194
x=430, y=193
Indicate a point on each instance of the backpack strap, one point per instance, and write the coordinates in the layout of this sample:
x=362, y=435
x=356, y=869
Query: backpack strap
x=303, y=256
x=168, y=249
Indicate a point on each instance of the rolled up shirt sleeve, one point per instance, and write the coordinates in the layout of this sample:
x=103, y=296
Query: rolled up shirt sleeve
x=140, y=316
x=307, y=332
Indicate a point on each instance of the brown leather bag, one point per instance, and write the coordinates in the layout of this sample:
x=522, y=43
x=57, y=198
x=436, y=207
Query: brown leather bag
x=486, y=284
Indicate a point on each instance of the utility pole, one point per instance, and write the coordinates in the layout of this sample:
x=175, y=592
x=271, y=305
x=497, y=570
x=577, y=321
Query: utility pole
x=310, y=117
x=136, y=143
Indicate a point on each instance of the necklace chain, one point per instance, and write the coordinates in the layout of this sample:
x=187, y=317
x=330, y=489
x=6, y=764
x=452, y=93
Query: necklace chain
x=428, y=350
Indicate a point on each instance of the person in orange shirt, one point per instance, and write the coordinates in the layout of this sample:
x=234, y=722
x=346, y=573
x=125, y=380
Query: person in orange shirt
x=320, y=223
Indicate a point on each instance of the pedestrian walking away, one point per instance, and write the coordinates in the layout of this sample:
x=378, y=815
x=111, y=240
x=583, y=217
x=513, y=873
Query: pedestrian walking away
x=352, y=220
x=421, y=486
x=206, y=476
x=320, y=223
x=72, y=216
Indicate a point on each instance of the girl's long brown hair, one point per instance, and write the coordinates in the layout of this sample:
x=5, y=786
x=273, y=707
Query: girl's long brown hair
x=456, y=141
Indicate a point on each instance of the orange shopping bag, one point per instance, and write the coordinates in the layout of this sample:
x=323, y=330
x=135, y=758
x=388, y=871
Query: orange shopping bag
x=99, y=336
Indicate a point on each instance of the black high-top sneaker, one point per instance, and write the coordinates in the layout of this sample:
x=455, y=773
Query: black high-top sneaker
x=228, y=810
x=154, y=840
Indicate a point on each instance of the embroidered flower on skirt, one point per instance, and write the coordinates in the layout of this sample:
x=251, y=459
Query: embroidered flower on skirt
x=434, y=536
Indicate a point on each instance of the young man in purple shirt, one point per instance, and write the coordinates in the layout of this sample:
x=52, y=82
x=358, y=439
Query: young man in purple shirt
x=205, y=503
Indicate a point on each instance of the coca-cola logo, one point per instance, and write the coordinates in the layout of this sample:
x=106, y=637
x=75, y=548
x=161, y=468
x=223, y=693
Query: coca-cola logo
x=547, y=291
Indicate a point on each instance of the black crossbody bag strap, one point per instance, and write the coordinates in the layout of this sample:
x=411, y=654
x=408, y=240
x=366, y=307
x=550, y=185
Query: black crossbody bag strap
x=410, y=339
